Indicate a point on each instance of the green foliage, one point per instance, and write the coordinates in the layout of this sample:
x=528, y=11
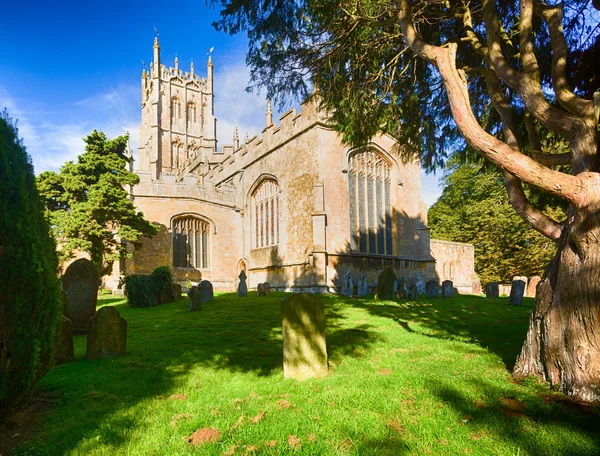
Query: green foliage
x=88, y=204
x=150, y=290
x=474, y=208
x=30, y=294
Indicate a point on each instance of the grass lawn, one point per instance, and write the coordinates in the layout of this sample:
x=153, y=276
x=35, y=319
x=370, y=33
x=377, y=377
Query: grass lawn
x=428, y=377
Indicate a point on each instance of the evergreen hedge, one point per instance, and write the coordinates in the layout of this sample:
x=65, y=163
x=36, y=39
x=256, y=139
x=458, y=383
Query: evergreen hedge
x=31, y=303
x=150, y=290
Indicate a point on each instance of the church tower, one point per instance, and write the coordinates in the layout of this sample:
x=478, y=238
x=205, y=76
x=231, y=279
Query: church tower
x=178, y=119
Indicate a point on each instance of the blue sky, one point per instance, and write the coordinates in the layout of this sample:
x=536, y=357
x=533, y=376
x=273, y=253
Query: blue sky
x=68, y=67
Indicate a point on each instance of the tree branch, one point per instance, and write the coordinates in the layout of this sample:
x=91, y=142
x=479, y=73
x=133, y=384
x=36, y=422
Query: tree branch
x=528, y=61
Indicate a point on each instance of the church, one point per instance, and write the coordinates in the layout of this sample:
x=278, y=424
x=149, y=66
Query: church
x=292, y=206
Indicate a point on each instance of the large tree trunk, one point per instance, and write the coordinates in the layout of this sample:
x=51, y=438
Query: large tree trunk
x=563, y=340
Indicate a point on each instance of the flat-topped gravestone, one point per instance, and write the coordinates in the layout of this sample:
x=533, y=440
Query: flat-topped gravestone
x=267, y=286
x=194, y=295
x=260, y=289
x=402, y=292
x=516, y=293
x=432, y=289
x=80, y=282
x=107, y=334
x=447, y=289
x=242, y=289
x=206, y=291
x=65, y=352
x=348, y=285
x=303, y=331
x=362, y=289
x=385, y=284
x=420, y=285
x=492, y=290
x=532, y=286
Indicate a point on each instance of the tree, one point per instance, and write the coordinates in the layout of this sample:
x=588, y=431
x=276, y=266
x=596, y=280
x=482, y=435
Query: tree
x=386, y=64
x=30, y=297
x=88, y=206
x=474, y=208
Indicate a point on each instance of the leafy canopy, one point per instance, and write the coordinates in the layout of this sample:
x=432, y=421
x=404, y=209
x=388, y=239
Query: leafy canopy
x=88, y=206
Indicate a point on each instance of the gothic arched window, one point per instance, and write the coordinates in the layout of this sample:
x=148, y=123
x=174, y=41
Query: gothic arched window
x=370, y=203
x=191, y=243
x=175, y=109
x=265, y=214
x=191, y=114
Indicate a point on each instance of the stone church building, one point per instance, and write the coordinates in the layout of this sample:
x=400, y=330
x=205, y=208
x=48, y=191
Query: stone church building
x=292, y=205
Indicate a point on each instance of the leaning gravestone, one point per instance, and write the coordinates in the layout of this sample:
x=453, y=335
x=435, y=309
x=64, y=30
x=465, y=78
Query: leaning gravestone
x=413, y=293
x=420, y=284
x=260, y=289
x=385, y=284
x=242, y=286
x=492, y=290
x=532, y=286
x=402, y=292
x=194, y=295
x=362, y=289
x=516, y=293
x=303, y=331
x=206, y=291
x=432, y=289
x=447, y=289
x=107, y=334
x=348, y=285
x=267, y=286
x=80, y=282
x=65, y=352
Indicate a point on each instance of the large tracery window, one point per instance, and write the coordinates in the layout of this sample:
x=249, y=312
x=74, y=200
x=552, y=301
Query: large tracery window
x=265, y=214
x=191, y=241
x=369, y=191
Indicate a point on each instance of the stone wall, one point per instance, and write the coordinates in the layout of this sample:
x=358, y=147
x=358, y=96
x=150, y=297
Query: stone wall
x=456, y=261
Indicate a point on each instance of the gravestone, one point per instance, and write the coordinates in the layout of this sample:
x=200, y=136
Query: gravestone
x=402, y=292
x=260, y=289
x=194, y=294
x=107, y=334
x=516, y=293
x=413, y=293
x=303, y=331
x=348, y=285
x=176, y=291
x=242, y=286
x=432, y=289
x=65, y=352
x=395, y=289
x=447, y=289
x=385, y=284
x=523, y=278
x=206, y=291
x=80, y=282
x=267, y=286
x=362, y=289
x=532, y=286
x=492, y=290
x=420, y=284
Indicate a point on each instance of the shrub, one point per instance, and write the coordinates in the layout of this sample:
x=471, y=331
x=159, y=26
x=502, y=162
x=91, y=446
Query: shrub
x=150, y=290
x=163, y=281
x=31, y=303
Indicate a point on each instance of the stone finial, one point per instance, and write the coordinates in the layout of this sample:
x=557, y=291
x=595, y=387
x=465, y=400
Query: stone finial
x=176, y=62
x=269, y=113
x=156, y=43
x=246, y=138
x=192, y=67
x=236, y=139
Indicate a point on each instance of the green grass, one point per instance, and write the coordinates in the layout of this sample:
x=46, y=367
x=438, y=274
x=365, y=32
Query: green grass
x=416, y=378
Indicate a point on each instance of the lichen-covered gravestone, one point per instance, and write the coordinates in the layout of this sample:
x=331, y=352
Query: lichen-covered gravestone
x=420, y=284
x=80, y=282
x=516, y=293
x=447, y=289
x=242, y=286
x=65, y=352
x=303, y=331
x=532, y=286
x=267, y=286
x=413, y=292
x=195, y=301
x=385, y=284
x=432, y=289
x=402, y=292
x=260, y=289
x=176, y=291
x=107, y=334
x=348, y=285
x=492, y=290
x=362, y=289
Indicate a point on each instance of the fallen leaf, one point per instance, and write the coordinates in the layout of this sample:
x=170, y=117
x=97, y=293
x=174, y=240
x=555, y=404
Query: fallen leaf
x=294, y=442
x=312, y=437
x=283, y=404
x=204, y=435
x=258, y=417
x=250, y=449
x=395, y=426
x=238, y=422
x=179, y=397
x=230, y=451
x=271, y=443
x=385, y=371
x=316, y=418
x=443, y=442
x=345, y=445
x=174, y=424
x=237, y=400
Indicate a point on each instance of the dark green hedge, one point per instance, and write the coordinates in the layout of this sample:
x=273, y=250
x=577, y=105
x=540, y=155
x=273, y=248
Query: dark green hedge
x=31, y=303
x=150, y=290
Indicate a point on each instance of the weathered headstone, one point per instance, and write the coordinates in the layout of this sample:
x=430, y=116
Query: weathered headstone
x=492, y=290
x=177, y=291
x=348, y=285
x=532, y=286
x=420, y=284
x=107, y=334
x=523, y=278
x=432, y=289
x=242, y=286
x=447, y=289
x=260, y=289
x=413, y=292
x=267, y=286
x=402, y=292
x=362, y=289
x=303, y=331
x=65, y=352
x=194, y=295
x=80, y=282
x=516, y=293
x=395, y=289
x=385, y=284
x=206, y=291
